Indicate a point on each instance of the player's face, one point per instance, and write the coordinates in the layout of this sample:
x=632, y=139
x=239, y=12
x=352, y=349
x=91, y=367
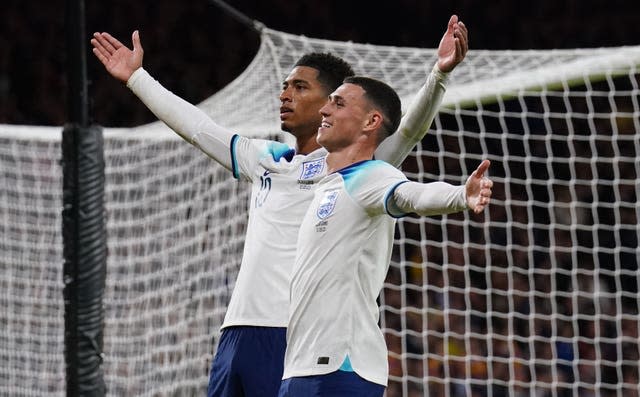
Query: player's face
x=344, y=117
x=301, y=98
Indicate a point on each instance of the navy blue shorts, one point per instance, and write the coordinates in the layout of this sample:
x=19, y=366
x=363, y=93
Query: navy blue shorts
x=248, y=363
x=335, y=384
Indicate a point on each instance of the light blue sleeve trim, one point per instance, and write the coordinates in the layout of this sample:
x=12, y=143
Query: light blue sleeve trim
x=389, y=209
x=346, y=365
x=234, y=162
x=279, y=151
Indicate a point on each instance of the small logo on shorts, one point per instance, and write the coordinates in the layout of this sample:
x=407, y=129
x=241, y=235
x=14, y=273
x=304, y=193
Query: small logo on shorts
x=323, y=360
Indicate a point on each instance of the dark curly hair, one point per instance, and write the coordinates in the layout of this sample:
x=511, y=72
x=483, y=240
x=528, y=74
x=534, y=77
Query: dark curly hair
x=332, y=70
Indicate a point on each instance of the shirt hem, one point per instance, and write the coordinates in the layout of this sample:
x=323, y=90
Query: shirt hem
x=254, y=323
x=303, y=373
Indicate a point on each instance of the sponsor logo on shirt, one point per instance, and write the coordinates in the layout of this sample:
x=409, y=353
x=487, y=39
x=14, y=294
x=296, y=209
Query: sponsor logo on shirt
x=321, y=226
x=305, y=185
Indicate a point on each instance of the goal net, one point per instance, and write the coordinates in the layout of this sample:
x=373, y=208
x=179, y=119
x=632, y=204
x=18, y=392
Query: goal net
x=537, y=296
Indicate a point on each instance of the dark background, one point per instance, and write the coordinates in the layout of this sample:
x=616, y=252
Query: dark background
x=194, y=48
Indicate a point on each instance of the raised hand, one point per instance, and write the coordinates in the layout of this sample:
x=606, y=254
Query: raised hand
x=478, y=188
x=119, y=60
x=453, y=45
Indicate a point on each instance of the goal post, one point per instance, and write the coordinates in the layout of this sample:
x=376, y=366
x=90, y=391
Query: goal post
x=537, y=295
x=83, y=222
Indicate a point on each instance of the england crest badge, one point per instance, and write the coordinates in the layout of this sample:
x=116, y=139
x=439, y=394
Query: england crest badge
x=327, y=204
x=312, y=168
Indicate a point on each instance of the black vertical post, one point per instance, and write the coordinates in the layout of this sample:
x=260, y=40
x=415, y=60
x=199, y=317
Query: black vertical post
x=83, y=222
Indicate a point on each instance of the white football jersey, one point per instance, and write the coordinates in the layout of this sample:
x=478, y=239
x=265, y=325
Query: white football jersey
x=344, y=249
x=282, y=188
x=278, y=202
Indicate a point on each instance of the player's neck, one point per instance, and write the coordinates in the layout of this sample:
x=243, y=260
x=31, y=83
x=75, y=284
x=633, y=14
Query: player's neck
x=306, y=144
x=342, y=158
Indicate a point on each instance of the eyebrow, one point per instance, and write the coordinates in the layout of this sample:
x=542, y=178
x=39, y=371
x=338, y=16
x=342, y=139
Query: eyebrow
x=296, y=81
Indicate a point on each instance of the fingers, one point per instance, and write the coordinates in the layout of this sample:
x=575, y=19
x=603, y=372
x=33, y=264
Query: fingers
x=484, y=202
x=101, y=41
x=98, y=49
x=484, y=196
x=485, y=190
x=101, y=57
x=484, y=186
x=462, y=35
x=460, y=52
x=135, y=39
x=461, y=31
x=482, y=168
x=453, y=21
x=97, y=42
x=110, y=42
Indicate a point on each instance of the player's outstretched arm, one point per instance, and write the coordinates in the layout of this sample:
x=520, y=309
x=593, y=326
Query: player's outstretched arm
x=422, y=110
x=438, y=198
x=188, y=121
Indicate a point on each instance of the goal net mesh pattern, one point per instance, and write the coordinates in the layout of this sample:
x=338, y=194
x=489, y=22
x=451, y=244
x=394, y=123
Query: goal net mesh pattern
x=538, y=295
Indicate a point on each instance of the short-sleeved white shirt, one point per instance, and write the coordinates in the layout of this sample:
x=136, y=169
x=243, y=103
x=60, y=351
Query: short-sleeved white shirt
x=344, y=248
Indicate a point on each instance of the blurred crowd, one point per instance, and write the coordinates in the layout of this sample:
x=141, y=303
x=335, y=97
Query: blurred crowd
x=195, y=48
x=540, y=296
x=506, y=332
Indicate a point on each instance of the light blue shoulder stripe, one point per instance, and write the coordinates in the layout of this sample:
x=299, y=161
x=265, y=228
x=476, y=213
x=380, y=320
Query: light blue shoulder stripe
x=275, y=150
x=354, y=174
x=279, y=150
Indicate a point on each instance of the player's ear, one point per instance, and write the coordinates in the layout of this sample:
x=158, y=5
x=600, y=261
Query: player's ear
x=374, y=121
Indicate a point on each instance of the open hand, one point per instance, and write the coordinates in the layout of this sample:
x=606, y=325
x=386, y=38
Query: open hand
x=453, y=45
x=119, y=60
x=478, y=188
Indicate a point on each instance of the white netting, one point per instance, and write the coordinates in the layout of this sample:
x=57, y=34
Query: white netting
x=175, y=236
x=537, y=296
